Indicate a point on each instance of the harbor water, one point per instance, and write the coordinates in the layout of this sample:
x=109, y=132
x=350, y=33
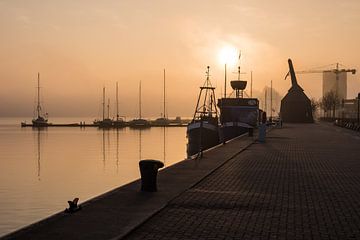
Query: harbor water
x=40, y=170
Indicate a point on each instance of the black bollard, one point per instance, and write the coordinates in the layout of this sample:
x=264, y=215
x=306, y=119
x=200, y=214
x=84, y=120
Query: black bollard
x=148, y=171
x=251, y=132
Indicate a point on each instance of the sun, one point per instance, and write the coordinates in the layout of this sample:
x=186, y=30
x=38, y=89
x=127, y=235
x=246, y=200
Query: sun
x=228, y=55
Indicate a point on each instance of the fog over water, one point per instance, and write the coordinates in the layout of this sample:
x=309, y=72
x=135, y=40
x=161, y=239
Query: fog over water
x=80, y=46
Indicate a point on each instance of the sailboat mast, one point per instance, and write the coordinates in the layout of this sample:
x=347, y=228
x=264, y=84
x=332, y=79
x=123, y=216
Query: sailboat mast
x=38, y=96
x=103, y=103
x=164, y=96
x=117, y=101
x=108, y=109
x=271, y=96
x=140, y=100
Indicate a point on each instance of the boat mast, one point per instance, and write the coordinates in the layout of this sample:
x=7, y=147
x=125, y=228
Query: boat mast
x=38, y=107
x=265, y=98
x=164, y=96
x=140, y=100
x=117, y=101
x=108, y=109
x=271, y=99
x=103, y=103
x=239, y=93
x=251, y=83
x=225, y=83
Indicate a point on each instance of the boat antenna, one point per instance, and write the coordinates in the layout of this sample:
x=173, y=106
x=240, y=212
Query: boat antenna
x=239, y=72
x=208, y=83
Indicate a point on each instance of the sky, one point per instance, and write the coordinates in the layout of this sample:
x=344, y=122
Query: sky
x=81, y=46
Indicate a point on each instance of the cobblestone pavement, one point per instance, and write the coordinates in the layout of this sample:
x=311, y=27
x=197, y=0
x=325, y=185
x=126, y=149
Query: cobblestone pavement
x=303, y=183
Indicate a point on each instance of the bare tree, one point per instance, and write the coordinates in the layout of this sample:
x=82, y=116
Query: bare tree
x=330, y=101
x=314, y=105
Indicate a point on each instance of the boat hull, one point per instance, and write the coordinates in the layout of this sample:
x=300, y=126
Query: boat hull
x=40, y=122
x=119, y=124
x=238, y=115
x=139, y=123
x=201, y=136
x=229, y=132
x=106, y=123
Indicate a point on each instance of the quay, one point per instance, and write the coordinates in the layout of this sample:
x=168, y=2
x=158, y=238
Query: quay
x=302, y=183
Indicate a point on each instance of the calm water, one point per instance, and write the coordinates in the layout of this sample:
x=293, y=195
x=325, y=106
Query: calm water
x=41, y=170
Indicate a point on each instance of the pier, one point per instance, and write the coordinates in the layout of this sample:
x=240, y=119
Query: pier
x=302, y=183
x=126, y=124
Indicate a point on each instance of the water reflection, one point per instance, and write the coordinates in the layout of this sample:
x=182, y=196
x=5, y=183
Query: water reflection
x=41, y=169
x=38, y=140
x=117, y=150
x=164, y=145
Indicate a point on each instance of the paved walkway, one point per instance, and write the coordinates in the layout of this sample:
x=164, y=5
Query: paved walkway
x=303, y=183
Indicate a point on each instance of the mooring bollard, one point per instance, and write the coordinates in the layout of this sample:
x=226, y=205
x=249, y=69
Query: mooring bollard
x=251, y=132
x=148, y=170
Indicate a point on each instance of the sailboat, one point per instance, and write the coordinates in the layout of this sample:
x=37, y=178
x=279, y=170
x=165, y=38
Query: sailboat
x=163, y=120
x=105, y=122
x=202, y=131
x=41, y=120
x=119, y=122
x=139, y=122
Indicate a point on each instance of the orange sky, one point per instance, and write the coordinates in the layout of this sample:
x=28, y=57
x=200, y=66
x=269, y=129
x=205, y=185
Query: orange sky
x=81, y=46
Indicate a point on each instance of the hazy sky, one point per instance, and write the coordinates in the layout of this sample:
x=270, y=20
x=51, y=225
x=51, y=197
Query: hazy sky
x=80, y=46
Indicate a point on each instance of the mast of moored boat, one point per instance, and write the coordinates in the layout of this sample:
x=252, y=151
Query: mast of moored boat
x=117, y=101
x=108, y=109
x=38, y=107
x=164, y=96
x=103, y=104
x=140, y=100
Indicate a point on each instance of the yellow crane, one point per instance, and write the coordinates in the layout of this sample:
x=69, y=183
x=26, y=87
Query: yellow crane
x=336, y=70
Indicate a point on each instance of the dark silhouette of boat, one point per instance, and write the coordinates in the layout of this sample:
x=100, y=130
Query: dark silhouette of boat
x=40, y=120
x=105, y=122
x=163, y=120
x=203, y=130
x=238, y=115
x=118, y=122
x=139, y=122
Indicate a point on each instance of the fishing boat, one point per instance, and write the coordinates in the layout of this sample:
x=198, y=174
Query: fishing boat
x=139, y=122
x=203, y=130
x=41, y=120
x=119, y=122
x=238, y=114
x=105, y=122
x=163, y=120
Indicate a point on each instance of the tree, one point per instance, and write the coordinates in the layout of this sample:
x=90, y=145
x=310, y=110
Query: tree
x=330, y=101
x=314, y=105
